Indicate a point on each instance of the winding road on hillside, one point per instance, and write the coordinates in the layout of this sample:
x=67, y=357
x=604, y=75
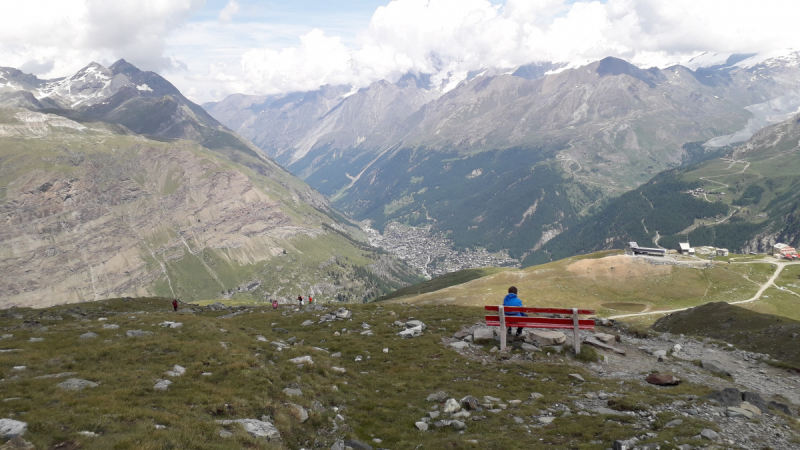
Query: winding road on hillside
x=764, y=287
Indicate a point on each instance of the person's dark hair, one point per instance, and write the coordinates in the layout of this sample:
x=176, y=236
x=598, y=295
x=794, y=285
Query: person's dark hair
x=512, y=290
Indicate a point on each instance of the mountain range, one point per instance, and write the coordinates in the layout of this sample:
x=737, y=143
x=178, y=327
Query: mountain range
x=511, y=160
x=114, y=184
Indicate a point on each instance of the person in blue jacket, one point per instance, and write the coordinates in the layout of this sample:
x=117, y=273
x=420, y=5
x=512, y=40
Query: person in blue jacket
x=512, y=300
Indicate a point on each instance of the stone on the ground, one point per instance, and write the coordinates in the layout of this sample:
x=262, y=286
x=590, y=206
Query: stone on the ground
x=225, y=434
x=714, y=366
x=35, y=339
x=110, y=326
x=261, y=338
x=356, y=445
x=753, y=409
x=451, y=406
x=605, y=338
x=176, y=371
x=298, y=412
x=458, y=425
x=302, y=360
x=734, y=411
x=437, y=397
x=659, y=353
x=576, y=376
x=338, y=369
x=88, y=335
x=709, y=434
x=422, y=426
x=755, y=400
x=17, y=443
x=256, y=428
x=416, y=323
x=307, y=323
x=292, y=392
x=530, y=348
x=343, y=313
x=168, y=324
x=469, y=403
x=536, y=396
x=726, y=397
x=162, y=385
x=546, y=419
x=781, y=407
x=217, y=306
x=76, y=384
x=10, y=428
x=662, y=380
x=547, y=338
x=19, y=367
x=483, y=334
x=676, y=348
x=459, y=345
x=673, y=423
x=490, y=399
x=626, y=444
x=138, y=333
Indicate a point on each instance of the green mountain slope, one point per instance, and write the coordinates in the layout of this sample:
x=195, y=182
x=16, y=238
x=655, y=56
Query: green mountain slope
x=747, y=201
x=93, y=211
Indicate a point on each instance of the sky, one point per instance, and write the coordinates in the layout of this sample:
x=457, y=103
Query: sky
x=212, y=48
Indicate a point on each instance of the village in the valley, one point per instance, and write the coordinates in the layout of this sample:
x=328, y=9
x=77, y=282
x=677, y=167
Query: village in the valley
x=432, y=253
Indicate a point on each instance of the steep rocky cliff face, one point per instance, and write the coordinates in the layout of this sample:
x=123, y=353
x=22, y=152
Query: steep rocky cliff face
x=91, y=211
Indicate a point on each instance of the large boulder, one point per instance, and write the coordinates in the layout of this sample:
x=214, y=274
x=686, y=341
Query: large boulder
x=483, y=334
x=548, y=338
x=299, y=413
x=662, y=379
x=755, y=400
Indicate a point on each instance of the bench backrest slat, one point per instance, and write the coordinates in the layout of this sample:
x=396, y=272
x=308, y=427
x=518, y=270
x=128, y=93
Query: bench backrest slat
x=538, y=310
x=539, y=322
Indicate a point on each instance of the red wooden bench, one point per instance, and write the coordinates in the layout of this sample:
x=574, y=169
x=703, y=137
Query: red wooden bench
x=499, y=319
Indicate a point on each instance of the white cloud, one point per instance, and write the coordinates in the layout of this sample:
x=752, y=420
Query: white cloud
x=55, y=38
x=451, y=37
x=226, y=15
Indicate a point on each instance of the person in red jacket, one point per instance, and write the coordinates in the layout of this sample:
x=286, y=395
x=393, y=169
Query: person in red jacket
x=310, y=300
x=175, y=304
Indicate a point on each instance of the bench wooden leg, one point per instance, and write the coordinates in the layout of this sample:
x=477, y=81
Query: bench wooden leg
x=502, y=329
x=576, y=335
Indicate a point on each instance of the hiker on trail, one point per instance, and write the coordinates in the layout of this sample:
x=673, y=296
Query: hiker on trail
x=512, y=300
x=300, y=299
x=274, y=304
x=175, y=304
x=310, y=300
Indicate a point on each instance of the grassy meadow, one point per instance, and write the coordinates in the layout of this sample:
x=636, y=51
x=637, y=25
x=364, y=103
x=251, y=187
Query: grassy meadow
x=380, y=396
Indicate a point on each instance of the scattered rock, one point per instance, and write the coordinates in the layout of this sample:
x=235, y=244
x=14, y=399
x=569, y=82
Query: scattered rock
x=138, y=333
x=782, y=408
x=217, y=306
x=110, y=326
x=356, y=445
x=459, y=345
x=469, y=403
x=490, y=399
x=437, y=397
x=753, y=409
x=726, y=397
x=162, y=385
x=302, y=360
x=451, y=406
x=458, y=425
x=755, y=400
x=76, y=384
x=298, y=412
x=176, y=371
x=483, y=334
x=10, y=428
x=536, y=396
x=256, y=428
x=422, y=426
x=576, y=376
x=88, y=335
x=261, y=338
x=292, y=392
x=168, y=324
x=709, y=434
x=659, y=353
x=338, y=369
x=627, y=444
x=548, y=338
x=662, y=380
x=604, y=338
x=34, y=339
x=673, y=423
x=714, y=366
x=530, y=348
x=546, y=420
x=17, y=443
x=225, y=434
